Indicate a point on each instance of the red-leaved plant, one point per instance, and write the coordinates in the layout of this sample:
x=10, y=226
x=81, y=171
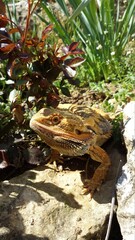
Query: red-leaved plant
x=32, y=64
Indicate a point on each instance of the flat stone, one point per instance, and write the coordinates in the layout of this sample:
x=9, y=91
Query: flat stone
x=47, y=204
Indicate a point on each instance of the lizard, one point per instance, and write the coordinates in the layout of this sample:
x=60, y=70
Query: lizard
x=74, y=132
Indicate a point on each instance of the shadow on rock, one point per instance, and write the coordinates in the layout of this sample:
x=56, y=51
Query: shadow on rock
x=18, y=236
x=57, y=193
x=115, y=233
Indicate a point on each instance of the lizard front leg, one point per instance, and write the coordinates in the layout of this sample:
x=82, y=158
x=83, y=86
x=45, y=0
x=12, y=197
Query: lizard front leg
x=99, y=155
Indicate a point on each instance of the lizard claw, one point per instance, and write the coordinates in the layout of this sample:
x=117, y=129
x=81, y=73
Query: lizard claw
x=90, y=187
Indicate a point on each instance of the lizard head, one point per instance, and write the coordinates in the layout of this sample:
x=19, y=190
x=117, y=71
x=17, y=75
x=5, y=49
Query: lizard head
x=62, y=130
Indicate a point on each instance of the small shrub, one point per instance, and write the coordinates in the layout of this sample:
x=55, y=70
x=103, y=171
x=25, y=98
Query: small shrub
x=30, y=65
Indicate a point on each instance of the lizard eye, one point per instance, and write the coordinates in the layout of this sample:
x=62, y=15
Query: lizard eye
x=77, y=131
x=55, y=120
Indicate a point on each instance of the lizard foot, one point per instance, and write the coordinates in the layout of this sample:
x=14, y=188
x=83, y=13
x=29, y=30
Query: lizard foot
x=91, y=186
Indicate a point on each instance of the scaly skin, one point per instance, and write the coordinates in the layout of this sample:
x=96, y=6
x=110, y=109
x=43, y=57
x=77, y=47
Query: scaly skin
x=74, y=132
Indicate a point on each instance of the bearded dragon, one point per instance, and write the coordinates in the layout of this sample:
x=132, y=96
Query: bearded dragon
x=74, y=132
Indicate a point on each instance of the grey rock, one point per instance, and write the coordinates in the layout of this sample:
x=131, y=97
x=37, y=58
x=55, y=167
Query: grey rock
x=126, y=183
x=47, y=204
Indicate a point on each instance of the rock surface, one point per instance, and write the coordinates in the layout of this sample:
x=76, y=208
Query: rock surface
x=48, y=204
x=126, y=183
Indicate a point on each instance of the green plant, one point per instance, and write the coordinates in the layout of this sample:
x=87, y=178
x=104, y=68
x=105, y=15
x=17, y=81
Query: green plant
x=32, y=65
x=103, y=32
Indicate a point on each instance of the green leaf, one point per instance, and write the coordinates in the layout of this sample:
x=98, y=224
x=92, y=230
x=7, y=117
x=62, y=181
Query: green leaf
x=102, y=33
x=58, y=26
x=63, y=7
x=78, y=10
x=65, y=91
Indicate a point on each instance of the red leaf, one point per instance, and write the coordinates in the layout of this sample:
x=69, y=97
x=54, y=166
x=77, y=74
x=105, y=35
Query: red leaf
x=69, y=72
x=64, y=57
x=75, y=52
x=4, y=39
x=44, y=83
x=13, y=30
x=73, y=46
x=78, y=51
x=65, y=49
x=41, y=44
x=52, y=99
x=3, y=21
x=2, y=8
x=32, y=42
x=18, y=113
x=29, y=42
x=47, y=30
x=74, y=62
x=8, y=48
x=15, y=69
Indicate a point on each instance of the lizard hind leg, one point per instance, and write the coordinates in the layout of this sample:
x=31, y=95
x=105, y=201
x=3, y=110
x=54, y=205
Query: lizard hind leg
x=99, y=155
